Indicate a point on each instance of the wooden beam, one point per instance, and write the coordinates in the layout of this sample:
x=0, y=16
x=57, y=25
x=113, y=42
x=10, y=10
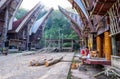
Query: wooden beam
x=106, y=1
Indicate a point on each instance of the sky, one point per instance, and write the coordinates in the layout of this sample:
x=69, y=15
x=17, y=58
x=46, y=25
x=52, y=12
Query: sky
x=29, y=4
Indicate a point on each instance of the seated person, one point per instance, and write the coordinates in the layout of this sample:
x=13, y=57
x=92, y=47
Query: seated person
x=85, y=54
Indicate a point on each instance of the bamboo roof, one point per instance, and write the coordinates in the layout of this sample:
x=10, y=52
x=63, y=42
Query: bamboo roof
x=40, y=23
x=80, y=4
x=38, y=27
x=4, y=3
x=77, y=24
x=76, y=5
x=82, y=8
x=28, y=19
x=12, y=6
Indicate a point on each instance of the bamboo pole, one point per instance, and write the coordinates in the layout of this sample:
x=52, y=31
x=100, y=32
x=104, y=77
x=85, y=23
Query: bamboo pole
x=107, y=46
x=99, y=46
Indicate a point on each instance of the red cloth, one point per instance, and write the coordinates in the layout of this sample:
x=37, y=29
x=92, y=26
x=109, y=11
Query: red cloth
x=82, y=51
x=85, y=51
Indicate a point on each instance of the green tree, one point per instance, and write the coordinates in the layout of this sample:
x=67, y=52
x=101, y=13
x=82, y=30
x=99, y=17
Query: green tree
x=58, y=21
x=21, y=12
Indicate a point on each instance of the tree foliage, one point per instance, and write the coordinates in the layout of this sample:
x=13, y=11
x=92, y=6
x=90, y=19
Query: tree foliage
x=56, y=24
x=21, y=12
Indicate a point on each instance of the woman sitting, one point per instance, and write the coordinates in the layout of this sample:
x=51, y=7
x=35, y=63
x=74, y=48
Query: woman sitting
x=85, y=54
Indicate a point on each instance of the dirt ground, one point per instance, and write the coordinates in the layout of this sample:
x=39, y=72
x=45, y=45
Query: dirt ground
x=16, y=66
x=86, y=71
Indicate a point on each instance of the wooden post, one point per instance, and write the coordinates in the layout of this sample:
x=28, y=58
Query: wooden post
x=114, y=48
x=28, y=29
x=107, y=46
x=45, y=38
x=72, y=44
x=99, y=46
x=94, y=41
x=83, y=42
x=59, y=39
x=90, y=43
x=86, y=40
x=5, y=29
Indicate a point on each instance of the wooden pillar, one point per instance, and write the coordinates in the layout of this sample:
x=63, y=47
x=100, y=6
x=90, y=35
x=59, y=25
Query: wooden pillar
x=28, y=38
x=5, y=28
x=114, y=48
x=72, y=44
x=86, y=42
x=99, y=45
x=94, y=41
x=107, y=46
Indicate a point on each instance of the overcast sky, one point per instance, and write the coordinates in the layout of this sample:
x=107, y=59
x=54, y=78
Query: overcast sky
x=28, y=4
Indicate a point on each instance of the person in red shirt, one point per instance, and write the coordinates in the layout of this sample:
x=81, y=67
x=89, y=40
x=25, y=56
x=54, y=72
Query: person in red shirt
x=85, y=54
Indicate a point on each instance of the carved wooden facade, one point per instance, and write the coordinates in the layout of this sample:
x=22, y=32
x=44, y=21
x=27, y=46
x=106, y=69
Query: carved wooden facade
x=103, y=15
x=38, y=28
x=85, y=18
x=114, y=16
x=8, y=9
x=22, y=27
